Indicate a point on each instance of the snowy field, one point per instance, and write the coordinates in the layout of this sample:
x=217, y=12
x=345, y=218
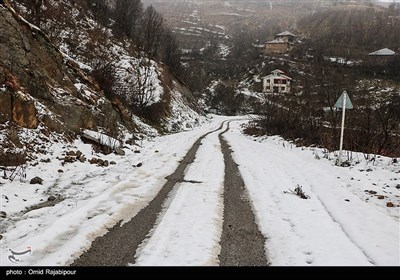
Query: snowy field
x=340, y=224
x=344, y=222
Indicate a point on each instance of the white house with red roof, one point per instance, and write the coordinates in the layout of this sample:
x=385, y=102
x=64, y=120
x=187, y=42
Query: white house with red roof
x=276, y=82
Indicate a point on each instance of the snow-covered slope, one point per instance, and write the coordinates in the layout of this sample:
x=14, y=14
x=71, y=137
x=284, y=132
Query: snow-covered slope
x=89, y=45
x=48, y=83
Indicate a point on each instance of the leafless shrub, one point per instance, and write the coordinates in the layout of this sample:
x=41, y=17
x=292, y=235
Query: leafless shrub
x=104, y=73
x=298, y=191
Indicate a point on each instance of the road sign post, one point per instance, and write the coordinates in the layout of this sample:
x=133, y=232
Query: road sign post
x=343, y=102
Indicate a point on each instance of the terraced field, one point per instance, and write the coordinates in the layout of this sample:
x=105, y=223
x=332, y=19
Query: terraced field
x=197, y=23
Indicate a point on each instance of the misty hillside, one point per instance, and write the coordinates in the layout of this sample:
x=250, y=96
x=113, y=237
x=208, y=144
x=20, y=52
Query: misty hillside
x=197, y=22
x=223, y=53
x=353, y=32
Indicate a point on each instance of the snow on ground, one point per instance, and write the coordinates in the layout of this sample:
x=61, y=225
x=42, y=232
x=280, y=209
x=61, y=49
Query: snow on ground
x=140, y=73
x=228, y=14
x=182, y=116
x=190, y=22
x=340, y=224
x=83, y=66
x=102, y=138
x=223, y=50
x=246, y=91
x=90, y=198
x=148, y=131
x=220, y=27
x=342, y=60
x=191, y=226
x=336, y=226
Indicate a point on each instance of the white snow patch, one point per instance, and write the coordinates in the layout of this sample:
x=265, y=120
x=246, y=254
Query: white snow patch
x=250, y=93
x=228, y=14
x=102, y=138
x=81, y=65
x=342, y=60
x=223, y=50
x=182, y=116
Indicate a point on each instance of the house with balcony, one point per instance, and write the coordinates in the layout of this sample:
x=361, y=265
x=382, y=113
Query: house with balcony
x=276, y=82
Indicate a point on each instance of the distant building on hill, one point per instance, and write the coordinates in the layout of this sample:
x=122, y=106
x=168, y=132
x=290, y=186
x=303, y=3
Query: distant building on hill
x=382, y=56
x=276, y=82
x=286, y=36
x=383, y=52
x=282, y=43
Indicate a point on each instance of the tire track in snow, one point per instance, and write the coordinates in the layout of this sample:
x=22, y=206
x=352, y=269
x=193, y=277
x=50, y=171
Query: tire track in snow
x=289, y=170
x=295, y=176
x=119, y=245
x=188, y=231
x=345, y=232
x=309, y=183
x=242, y=243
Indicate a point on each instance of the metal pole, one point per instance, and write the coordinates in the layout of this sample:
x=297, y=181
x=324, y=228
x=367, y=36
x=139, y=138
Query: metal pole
x=342, y=129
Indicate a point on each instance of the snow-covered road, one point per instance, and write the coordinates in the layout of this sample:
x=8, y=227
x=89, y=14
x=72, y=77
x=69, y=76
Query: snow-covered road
x=338, y=225
x=188, y=231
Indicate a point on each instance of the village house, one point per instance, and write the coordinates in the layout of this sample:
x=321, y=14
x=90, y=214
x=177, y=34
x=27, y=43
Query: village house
x=276, y=82
x=282, y=43
x=381, y=57
x=383, y=52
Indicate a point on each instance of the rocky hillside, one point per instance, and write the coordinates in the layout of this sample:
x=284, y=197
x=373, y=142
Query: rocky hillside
x=49, y=90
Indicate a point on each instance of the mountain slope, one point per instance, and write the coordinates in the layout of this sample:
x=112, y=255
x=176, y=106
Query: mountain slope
x=44, y=90
x=49, y=84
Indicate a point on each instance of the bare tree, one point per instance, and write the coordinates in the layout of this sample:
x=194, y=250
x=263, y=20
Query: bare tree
x=127, y=15
x=143, y=87
x=100, y=9
x=152, y=30
x=170, y=53
x=104, y=73
x=389, y=124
